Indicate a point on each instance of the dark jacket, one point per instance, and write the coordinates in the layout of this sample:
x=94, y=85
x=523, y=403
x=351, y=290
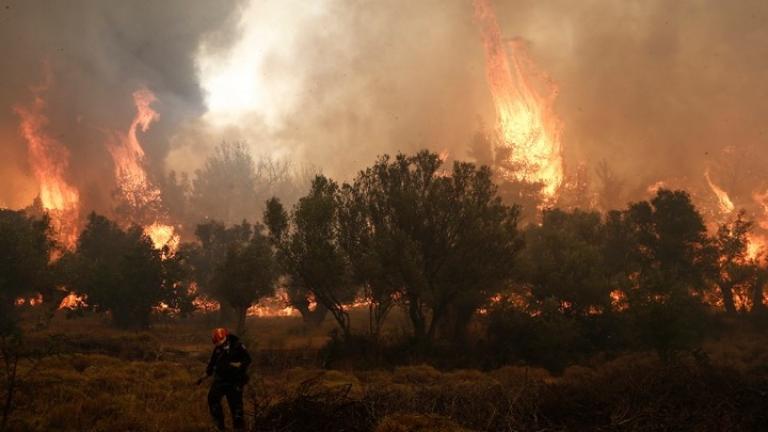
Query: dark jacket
x=220, y=365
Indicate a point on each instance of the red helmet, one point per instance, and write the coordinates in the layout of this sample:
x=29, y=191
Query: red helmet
x=219, y=335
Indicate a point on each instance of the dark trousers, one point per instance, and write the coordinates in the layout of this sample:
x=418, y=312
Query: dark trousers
x=234, y=395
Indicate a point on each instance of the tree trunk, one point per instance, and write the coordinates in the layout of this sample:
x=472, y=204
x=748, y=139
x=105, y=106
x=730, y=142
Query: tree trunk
x=377, y=312
x=757, y=292
x=460, y=317
x=312, y=318
x=726, y=288
x=242, y=314
x=437, y=319
x=316, y=317
x=417, y=318
x=227, y=314
x=342, y=318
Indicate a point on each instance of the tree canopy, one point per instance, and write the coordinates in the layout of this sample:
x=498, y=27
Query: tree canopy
x=247, y=273
x=441, y=240
x=121, y=272
x=26, y=245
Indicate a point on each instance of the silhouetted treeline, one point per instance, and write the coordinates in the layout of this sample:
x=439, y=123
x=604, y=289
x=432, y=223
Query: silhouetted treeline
x=437, y=242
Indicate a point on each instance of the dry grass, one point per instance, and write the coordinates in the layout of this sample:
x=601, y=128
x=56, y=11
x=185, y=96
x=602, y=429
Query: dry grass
x=94, y=392
x=100, y=379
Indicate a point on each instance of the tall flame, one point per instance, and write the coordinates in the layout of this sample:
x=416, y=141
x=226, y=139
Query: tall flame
x=756, y=243
x=524, y=99
x=49, y=160
x=128, y=155
x=133, y=183
x=726, y=205
x=162, y=235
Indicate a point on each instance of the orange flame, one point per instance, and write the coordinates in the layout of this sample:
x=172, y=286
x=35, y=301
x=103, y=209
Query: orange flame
x=756, y=243
x=726, y=205
x=133, y=182
x=31, y=301
x=275, y=306
x=205, y=304
x=524, y=99
x=72, y=301
x=756, y=247
x=162, y=235
x=49, y=160
x=128, y=155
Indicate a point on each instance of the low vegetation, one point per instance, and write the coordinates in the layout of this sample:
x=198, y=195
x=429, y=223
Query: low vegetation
x=111, y=380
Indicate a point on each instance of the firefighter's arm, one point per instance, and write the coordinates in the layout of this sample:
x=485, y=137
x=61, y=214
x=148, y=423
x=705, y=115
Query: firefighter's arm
x=244, y=359
x=208, y=369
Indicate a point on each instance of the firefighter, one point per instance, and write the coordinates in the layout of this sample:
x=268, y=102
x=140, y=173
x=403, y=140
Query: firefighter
x=228, y=366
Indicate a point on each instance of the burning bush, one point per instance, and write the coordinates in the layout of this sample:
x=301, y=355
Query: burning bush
x=122, y=273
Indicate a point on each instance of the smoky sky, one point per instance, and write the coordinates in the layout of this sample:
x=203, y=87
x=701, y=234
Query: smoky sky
x=661, y=90
x=98, y=53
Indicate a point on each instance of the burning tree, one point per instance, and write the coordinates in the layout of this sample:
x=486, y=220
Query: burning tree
x=139, y=199
x=523, y=96
x=49, y=160
x=121, y=272
x=732, y=260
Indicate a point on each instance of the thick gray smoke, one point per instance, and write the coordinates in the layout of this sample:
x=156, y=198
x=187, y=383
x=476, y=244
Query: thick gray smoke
x=659, y=90
x=99, y=52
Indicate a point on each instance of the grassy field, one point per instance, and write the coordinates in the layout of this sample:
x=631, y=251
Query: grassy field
x=90, y=377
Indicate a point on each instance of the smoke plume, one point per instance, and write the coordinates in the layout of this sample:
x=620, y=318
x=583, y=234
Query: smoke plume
x=661, y=91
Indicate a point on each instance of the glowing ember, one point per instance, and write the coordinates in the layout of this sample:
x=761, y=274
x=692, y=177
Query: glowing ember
x=726, y=205
x=494, y=300
x=32, y=301
x=524, y=99
x=619, y=300
x=205, y=304
x=49, y=160
x=72, y=301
